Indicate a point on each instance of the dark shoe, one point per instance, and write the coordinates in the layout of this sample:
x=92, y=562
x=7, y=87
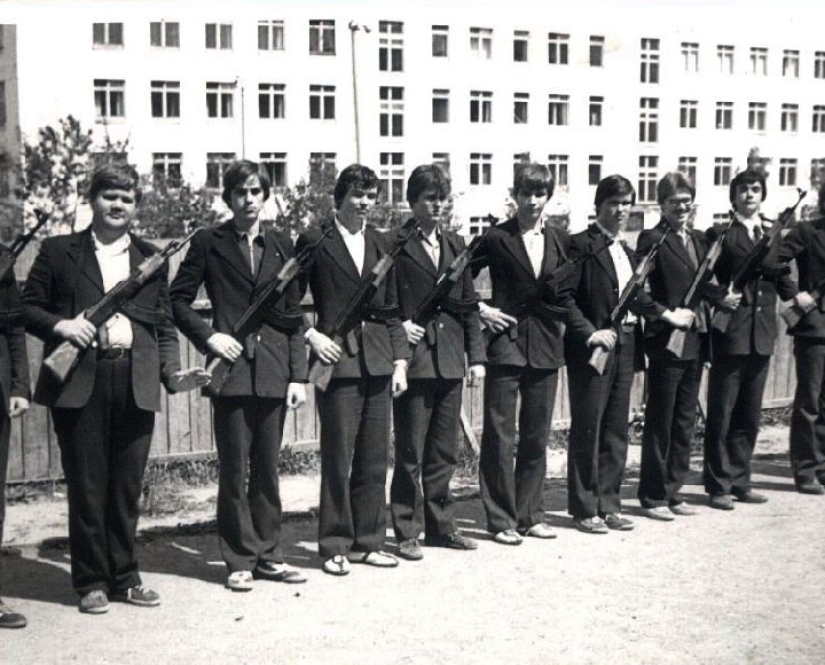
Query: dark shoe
x=750, y=496
x=659, y=513
x=682, y=509
x=9, y=618
x=814, y=487
x=453, y=541
x=137, y=595
x=618, y=523
x=278, y=572
x=94, y=602
x=540, y=530
x=410, y=550
x=590, y=524
x=721, y=501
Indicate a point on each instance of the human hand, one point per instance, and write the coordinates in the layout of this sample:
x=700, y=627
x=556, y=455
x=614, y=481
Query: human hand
x=296, y=395
x=804, y=300
x=494, y=319
x=606, y=338
x=680, y=317
x=224, y=346
x=79, y=331
x=189, y=379
x=399, y=379
x=324, y=347
x=18, y=406
x=414, y=332
x=476, y=375
x=732, y=299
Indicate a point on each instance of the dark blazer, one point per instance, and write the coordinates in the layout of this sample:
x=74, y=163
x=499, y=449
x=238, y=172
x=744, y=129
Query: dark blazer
x=334, y=279
x=451, y=334
x=64, y=281
x=805, y=243
x=538, y=340
x=753, y=326
x=669, y=280
x=14, y=365
x=275, y=354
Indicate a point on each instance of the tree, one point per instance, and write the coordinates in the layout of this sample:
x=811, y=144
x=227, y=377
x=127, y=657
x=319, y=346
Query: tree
x=171, y=212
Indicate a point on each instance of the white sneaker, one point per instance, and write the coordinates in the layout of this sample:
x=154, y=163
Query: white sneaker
x=240, y=580
x=661, y=513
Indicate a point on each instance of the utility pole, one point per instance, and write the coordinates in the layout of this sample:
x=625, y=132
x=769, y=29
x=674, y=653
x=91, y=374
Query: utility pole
x=353, y=28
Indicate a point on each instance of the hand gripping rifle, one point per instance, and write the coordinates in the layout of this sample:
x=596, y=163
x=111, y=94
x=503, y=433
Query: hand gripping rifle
x=8, y=255
x=793, y=315
x=598, y=358
x=694, y=295
x=264, y=299
x=63, y=359
x=752, y=267
x=343, y=330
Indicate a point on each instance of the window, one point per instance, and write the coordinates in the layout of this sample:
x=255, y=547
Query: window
x=391, y=117
x=649, y=66
x=518, y=159
x=721, y=218
x=757, y=114
x=391, y=175
x=759, y=61
x=819, y=65
x=521, y=40
x=164, y=34
x=219, y=100
x=557, y=48
x=219, y=36
x=441, y=35
x=724, y=56
x=109, y=98
x=166, y=168
x=274, y=163
x=442, y=160
x=648, y=165
x=557, y=165
x=520, y=103
x=107, y=34
x=688, y=110
x=481, y=106
x=790, y=63
x=322, y=102
x=789, y=120
x=216, y=165
x=2, y=101
x=441, y=106
x=390, y=46
x=594, y=169
x=270, y=35
x=722, y=167
x=818, y=125
x=724, y=115
x=690, y=56
x=687, y=167
x=322, y=37
x=165, y=99
x=321, y=166
x=594, y=112
x=481, y=168
x=817, y=170
x=271, y=100
x=648, y=120
x=558, y=107
x=787, y=172
x=477, y=225
x=596, y=51
x=481, y=43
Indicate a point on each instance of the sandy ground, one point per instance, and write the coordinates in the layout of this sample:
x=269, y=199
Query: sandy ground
x=719, y=589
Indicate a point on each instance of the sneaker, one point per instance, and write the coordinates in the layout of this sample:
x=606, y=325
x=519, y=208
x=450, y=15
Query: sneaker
x=9, y=618
x=337, y=565
x=590, y=524
x=137, y=595
x=94, y=602
x=278, y=572
x=454, y=541
x=508, y=537
x=682, y=509
x=240, y=580
x=377, y=558
x=410, y=550
x=660, y=513
x=540, y=530
x=721, y=502
x=749, y=496
x=618, y=523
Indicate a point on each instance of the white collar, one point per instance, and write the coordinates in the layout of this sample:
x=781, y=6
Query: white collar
x=113, y=248
x=345, y=232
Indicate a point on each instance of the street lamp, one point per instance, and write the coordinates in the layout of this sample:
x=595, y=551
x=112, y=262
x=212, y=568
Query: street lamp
x=355, y=27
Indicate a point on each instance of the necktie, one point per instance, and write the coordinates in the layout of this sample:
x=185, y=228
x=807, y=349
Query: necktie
x=757, y=232
x=689, y=248
x=249, y=240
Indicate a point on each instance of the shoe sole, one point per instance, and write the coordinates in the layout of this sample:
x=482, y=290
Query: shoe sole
x=94, y=610
x=136, y=603
x=659, y=517
x=290, y=577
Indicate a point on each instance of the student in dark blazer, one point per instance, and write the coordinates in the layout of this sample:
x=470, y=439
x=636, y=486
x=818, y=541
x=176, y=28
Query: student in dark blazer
x=234, y=261
x=524, y=355
x=104, y=412
x=600, y=403
x=15, y=393
x=427, y=416
x=741, y=355
x=672, y=382
x=355, y=407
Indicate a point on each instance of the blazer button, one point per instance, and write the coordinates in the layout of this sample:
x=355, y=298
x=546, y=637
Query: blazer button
x=441, y=326
x=363, y=323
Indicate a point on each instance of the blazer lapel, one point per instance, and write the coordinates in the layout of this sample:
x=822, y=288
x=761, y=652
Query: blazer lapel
x=514, y=243
x=675, y=245
x=741, y=236
x=82, y=253
x=334, y=246
x=415, y=249
x=602, y=256
x=273, y=258
x=226, y=244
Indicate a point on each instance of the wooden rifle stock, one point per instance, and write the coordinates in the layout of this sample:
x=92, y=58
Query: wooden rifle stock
x=794, y=314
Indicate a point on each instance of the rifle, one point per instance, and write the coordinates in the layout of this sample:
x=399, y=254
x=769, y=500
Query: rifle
x=63, y=359
x=676, y=341
x=752, y=267
x=598, y=358
x=343, y=330
x=793, y=315
x=265, y=297
x=8, y=255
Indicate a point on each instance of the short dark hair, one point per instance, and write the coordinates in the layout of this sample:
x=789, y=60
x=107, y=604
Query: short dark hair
x=531, y=177
x=671, y=183
x=614, y=185
x=238, y=173
x=114, y=176
x=747, y=177
x=427, y=176
x=355, y=175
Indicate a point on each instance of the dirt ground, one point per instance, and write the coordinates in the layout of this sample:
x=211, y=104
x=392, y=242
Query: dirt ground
x=719, y=588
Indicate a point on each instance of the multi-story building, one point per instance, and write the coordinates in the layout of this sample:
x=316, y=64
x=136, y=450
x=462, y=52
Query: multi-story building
x=589, y=89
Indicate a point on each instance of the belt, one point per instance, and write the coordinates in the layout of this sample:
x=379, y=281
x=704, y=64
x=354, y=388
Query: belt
x=114, y=353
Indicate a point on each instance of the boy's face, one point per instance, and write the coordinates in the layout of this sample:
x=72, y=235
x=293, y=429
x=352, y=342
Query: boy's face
x=747, y=198
x=428, y=208
x=530, y=203
x=614, y=212
x=114, y=209
x=677, y=207
x=247, y=200
x=356, y=205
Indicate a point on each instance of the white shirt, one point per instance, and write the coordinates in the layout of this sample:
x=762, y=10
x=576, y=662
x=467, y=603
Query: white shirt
x=113, y=260
x=534, y=244
x=432, y=245
x=750, y=224
x=354, y=243
x=621, y=263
